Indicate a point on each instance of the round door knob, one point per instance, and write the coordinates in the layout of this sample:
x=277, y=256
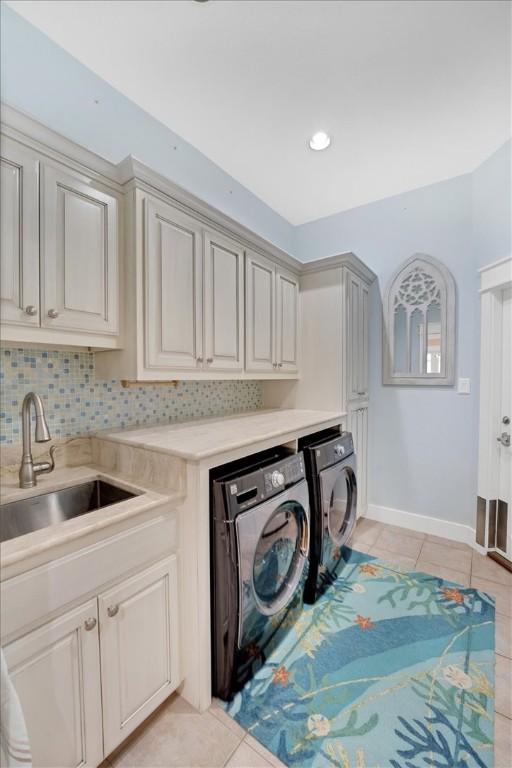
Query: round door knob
x=31, y=310
x=339, y=450
x=90, y=624
x=112, y=610
x=277, y=479
x=199, y=359
x=53, y=313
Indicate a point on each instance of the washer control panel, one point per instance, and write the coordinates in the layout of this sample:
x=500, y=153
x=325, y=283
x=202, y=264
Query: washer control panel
x=287, y=472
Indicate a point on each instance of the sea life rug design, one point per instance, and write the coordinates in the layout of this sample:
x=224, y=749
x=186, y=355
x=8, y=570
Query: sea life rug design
x=390, y=669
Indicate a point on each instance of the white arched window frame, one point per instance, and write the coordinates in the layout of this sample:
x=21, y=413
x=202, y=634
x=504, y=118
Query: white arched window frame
x=420, y=284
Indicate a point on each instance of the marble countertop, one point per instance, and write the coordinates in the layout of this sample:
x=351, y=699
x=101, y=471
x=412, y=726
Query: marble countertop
x=199, y=440
x=37, y=542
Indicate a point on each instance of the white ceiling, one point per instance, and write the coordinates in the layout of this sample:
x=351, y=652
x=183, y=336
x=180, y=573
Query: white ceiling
x=411, y=91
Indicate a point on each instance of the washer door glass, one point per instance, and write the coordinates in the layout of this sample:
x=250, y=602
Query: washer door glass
x=279, y=556
x=340, y=493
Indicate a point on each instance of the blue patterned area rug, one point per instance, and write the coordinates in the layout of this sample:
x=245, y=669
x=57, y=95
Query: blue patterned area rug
x=390, y=668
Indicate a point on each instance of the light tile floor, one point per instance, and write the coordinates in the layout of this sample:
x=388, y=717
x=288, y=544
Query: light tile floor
x=177, y=735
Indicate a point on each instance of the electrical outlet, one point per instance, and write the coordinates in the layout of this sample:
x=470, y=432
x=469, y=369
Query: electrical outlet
x=464, y=387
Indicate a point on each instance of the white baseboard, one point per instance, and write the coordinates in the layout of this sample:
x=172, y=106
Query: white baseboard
x=425, y=524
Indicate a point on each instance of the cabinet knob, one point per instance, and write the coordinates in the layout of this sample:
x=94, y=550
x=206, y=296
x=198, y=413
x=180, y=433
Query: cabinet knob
x=199, y=359
x=53, y=313
x=112, y=610
x=31, y=310
x=209, y=359
x=362, y=393
x=279, y=365
x=274, y=365
x=90, y=624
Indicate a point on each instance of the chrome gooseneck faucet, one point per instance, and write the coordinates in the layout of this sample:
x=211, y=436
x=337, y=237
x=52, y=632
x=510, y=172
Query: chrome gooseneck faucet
x=29, y=470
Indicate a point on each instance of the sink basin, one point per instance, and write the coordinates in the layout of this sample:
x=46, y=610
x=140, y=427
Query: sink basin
x=27, y=515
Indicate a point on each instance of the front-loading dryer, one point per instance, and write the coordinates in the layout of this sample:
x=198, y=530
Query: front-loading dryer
x=260, y=543
x=331, y=474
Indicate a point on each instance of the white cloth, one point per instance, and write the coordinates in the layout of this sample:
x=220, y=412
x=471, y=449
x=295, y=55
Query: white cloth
x=14, y=743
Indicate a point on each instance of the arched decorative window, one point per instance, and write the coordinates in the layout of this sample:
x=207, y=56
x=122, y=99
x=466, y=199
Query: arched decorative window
x=418, y=341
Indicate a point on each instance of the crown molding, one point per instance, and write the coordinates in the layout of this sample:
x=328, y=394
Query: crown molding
x=346, y=259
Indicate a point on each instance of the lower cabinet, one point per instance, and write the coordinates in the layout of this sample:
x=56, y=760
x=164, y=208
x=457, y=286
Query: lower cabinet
x=88, y=678
x=139, y=648
x=56, y=671
x=358, y=425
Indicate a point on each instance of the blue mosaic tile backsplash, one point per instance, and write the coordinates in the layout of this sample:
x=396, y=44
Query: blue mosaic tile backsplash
x=76, y=402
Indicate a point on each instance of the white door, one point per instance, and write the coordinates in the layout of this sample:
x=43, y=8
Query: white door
x=260, y=348
x=19, y=233
x=79, y=255
x=223, y=303
x=287, y=321
x=173, y=295
x=504, y=521
x=56, y=672
x=139, y=648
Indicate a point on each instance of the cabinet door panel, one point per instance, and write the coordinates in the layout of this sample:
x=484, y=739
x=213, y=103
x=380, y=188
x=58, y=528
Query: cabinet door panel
x=173, y=300
x=287, y=316
x=19, y=233
x=363, y=343
x=56, y=673
x=260, y=314
x=139, y=648
x=353, y=337
x=223, y=303
x=79, y=256
x=358, y=425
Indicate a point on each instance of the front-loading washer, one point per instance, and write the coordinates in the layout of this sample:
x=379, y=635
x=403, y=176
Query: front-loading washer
x=331, y=474
x=260, y=544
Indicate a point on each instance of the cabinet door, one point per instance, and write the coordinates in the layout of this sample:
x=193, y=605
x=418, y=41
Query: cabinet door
x=173, y=298
x=56, y=673
x=79, y=255
x=363, y=342
x=287, y=321
x=223, y=303
x=139, y=648
x=19, y=232
x=354, y=315
x=260, y=348
x=358, y=425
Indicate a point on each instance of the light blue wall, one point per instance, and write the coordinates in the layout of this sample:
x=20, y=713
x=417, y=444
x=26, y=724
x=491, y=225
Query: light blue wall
x=422, y=441
x=44, y=81
x=492, y=207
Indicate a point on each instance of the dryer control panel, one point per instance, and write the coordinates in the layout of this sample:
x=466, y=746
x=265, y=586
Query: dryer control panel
x=245, y=490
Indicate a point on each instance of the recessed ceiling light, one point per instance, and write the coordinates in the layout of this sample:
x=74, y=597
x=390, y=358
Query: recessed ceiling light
x=319, y=140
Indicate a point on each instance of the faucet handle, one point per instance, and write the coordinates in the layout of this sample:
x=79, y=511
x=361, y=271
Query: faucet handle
x=46, y=466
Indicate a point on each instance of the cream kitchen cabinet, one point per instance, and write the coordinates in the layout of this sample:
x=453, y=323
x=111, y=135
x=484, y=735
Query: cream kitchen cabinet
x=19, y=231
x=56, y=672
x=272, y=317
x=59, y=254
x=139, y=648
x=357, y=337
x=173, y=301
x=223, y=303
x=79, y=254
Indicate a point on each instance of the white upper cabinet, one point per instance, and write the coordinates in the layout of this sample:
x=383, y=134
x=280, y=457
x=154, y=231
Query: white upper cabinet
x=56, y=673
x=79, y=255
x=139, y=648
x=271, y=317
x=223, y=303
x=287, y=321
x=356, y=337
x=19, y=231
x=260, y=289
x=173, y=295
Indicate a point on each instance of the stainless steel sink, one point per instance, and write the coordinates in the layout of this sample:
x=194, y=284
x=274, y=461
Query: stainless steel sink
x=27, y=515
